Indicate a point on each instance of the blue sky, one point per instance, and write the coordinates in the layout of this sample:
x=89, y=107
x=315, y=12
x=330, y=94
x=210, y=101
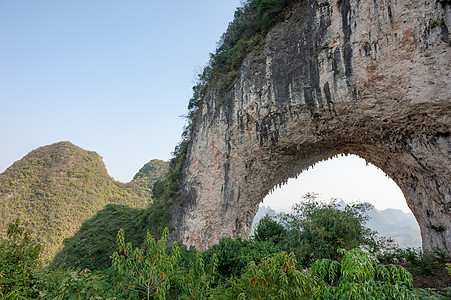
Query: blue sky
x=115, y=77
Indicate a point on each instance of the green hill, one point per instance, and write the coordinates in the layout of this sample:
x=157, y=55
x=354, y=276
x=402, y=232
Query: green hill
x=146, y=177
x=55, y=188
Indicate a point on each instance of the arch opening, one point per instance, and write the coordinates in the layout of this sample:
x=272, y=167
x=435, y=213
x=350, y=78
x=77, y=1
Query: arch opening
x=224, y=195
x=424, y=190
x=350, y=179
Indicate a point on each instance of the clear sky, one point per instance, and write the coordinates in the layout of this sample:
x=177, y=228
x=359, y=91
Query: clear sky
x=348, y=178
x=115, y=77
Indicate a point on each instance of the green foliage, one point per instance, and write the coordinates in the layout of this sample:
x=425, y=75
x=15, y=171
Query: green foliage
x=276, y=277
x=92, y=246
x=269, y=230
x=21, y=275
x=234, y=269
x=244, y=34
x=320, y=229
x=431, y=294
x=194, y=281
x=317, y=230
x=151, y=172
x=234, y=255
x=78, y=285
x=148, y=269
x=356, y=276
x=167, y=192
x=359, y=276
x=55, y=188
x=424, y=262
x=19, y=261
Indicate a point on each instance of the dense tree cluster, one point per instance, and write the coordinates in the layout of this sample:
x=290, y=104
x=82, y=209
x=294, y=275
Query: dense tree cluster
x=307, y=254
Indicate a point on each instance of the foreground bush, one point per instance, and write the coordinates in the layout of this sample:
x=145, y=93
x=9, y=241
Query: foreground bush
x=159, y=271
x=359, y=276
x=356, y=276
x=19, y=261
x=234, y=255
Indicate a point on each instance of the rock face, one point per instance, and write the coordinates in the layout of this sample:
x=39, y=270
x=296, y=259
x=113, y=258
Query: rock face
x=371, y=78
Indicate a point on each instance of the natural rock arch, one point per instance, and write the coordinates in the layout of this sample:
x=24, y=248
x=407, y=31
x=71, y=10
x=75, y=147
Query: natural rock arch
x=371, y=78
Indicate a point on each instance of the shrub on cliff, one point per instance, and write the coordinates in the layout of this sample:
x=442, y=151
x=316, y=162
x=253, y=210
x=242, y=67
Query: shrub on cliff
x=244, y=34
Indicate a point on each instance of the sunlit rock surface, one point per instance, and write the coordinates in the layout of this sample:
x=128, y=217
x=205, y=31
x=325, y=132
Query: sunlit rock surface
x=371, y=78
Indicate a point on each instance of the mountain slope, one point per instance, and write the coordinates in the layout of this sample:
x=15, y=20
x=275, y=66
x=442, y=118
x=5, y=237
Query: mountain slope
x=146, y=177
x=55, y=188
x=92, y=246
x=394, y=223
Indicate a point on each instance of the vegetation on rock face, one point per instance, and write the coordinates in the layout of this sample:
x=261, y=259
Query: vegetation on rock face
x=55, y=188
x=244, y=34
x=317, y=252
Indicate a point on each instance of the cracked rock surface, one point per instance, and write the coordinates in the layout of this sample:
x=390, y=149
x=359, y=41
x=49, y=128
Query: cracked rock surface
x=371, y=78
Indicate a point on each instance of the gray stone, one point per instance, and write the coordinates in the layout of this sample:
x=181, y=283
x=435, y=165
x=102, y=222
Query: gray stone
x=371, y=78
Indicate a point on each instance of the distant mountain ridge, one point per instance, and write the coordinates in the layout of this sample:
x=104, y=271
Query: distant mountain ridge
x=55, y=188
x=394, y=223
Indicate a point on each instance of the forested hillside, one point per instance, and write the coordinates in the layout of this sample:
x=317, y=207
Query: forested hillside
x=55, y=188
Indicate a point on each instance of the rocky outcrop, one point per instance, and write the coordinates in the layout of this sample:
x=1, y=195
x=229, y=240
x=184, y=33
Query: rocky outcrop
x=371, y=78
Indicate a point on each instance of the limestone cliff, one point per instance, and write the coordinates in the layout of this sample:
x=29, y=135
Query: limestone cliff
x=371, y=78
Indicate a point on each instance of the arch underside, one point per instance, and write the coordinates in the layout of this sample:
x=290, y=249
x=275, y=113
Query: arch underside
x=335, y=77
